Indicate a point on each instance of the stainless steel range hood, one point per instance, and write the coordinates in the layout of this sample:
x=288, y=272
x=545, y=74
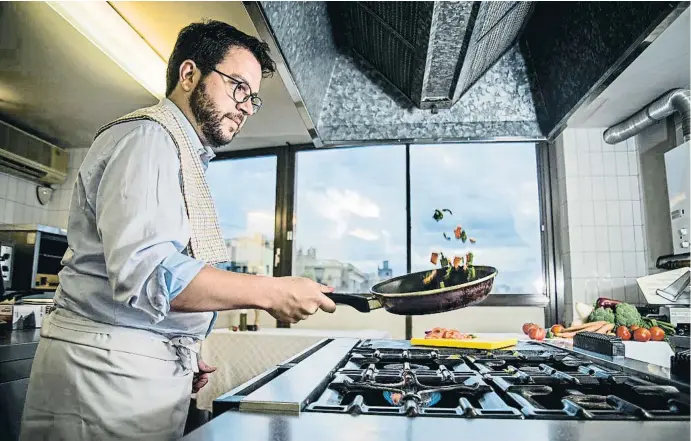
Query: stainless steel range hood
x=432, y=52
x=373, y=72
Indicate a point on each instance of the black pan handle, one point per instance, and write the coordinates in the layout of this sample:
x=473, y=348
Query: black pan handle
x=361, y=302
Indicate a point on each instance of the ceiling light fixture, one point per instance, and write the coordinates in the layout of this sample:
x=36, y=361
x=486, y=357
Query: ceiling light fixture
x=106, y=29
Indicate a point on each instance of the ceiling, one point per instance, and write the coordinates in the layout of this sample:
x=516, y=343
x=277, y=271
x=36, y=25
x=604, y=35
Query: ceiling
x=662, y=66
x=56, y=84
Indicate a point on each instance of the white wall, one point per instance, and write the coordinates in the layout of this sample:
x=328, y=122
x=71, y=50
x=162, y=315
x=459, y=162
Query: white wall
x=600, y=218
x=19, y=203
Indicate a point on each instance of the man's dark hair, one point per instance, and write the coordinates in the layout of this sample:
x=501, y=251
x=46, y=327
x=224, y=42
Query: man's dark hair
x=207, y=43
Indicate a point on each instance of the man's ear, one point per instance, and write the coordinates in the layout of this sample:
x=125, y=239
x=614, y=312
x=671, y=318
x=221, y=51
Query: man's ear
x=189, y=75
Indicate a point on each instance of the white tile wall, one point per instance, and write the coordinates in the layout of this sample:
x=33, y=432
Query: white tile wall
x=19, y=203
x=601, y=228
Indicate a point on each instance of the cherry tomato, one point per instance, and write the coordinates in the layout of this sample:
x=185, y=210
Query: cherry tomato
x=623, y=333
x=641, y=334
x=556, y=329
x=657, y=334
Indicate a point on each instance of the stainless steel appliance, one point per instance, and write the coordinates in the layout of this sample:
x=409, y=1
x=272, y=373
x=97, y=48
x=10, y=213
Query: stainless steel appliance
x=677, y=174
x=388, y=389
x=6, y=260
x=36, y=256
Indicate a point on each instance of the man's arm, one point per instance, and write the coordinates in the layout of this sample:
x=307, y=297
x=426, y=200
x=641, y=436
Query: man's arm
x=288, y=299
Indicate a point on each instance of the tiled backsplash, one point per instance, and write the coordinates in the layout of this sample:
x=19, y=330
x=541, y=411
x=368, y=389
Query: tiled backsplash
x=600, y=218
x=19, y=203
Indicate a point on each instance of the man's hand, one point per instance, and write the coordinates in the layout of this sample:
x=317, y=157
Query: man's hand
x=201, y=378
x=296, y=298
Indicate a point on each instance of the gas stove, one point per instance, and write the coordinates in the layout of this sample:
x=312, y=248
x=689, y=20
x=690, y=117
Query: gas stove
x=532, y=381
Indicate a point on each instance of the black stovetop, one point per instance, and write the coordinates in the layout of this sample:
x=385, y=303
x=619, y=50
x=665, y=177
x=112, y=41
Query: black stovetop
x=533, y=382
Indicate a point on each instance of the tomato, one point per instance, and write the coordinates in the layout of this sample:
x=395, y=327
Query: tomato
x=623, y=333
x=657, y=334
x=537, y=333
x=556, y=329
x=528, y=326
x=641, y=334
x=633, y=328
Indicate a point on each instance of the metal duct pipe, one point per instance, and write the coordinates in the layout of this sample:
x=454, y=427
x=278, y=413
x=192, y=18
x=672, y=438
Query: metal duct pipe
x=676, y=100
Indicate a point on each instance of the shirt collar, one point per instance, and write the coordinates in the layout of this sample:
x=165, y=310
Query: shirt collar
x=206, y=153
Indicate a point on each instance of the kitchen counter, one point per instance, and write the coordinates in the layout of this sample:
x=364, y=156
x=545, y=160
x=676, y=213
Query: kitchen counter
x=18, y=344
x=17, y=349
x=232, y=426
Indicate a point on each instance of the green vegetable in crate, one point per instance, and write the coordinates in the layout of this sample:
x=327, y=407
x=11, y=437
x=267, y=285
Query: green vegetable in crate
x=627, y=315
x=602, y=314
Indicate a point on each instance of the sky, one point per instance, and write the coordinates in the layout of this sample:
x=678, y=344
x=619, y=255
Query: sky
x=350, y=205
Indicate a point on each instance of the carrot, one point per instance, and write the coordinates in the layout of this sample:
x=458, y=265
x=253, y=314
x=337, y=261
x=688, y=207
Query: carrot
x=606, y=328
x=585, y=325
x=589, y=327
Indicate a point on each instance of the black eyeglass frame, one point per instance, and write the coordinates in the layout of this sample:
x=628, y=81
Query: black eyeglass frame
x=256, y=101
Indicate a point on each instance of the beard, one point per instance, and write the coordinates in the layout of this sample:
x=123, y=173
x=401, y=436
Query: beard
x=209, y=118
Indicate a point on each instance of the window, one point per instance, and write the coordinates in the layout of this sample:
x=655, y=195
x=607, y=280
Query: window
x=350, y=216
x=244, y=191
x=492, y=190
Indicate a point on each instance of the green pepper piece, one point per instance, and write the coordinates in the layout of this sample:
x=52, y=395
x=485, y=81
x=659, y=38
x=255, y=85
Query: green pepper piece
x=438, y=215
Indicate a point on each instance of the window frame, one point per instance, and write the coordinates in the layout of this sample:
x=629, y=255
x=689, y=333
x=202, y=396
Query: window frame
x=552, y=271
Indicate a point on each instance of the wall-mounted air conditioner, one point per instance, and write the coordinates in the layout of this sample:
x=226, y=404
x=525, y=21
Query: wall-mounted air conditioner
x=24, y=155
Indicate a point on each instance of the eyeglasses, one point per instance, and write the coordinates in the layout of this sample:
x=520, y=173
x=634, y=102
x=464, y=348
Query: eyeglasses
x=240, y=91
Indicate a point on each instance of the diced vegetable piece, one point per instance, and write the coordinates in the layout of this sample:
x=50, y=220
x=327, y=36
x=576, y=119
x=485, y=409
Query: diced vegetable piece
x=429, y=277
x=469, y=258
x=444, y=261
x=446, y=236
x=434, y=258
x=458, y=231
x=447, y=210
x=472, y=240
x=438, y=215
x=457, y=261
x=464, y=236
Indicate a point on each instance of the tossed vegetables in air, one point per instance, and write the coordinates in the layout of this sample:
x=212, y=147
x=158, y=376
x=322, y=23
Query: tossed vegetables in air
x=459, y=264
x=439, y=214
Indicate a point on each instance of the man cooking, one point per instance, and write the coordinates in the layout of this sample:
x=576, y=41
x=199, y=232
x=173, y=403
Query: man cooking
x=118, y=357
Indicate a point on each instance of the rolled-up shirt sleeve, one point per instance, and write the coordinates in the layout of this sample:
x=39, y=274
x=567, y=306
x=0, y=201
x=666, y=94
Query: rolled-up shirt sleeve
x=143, y=223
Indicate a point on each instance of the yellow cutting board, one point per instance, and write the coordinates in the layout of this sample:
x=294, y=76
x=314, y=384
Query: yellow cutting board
x=469, y=344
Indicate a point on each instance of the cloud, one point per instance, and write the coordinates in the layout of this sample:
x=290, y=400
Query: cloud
x=364, y=234
x=262, y=222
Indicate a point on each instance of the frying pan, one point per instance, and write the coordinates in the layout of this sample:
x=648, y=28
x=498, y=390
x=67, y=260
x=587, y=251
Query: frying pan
x=408, y=295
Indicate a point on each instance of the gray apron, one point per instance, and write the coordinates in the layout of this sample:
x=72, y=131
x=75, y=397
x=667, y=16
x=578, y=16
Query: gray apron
x=91, y=381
